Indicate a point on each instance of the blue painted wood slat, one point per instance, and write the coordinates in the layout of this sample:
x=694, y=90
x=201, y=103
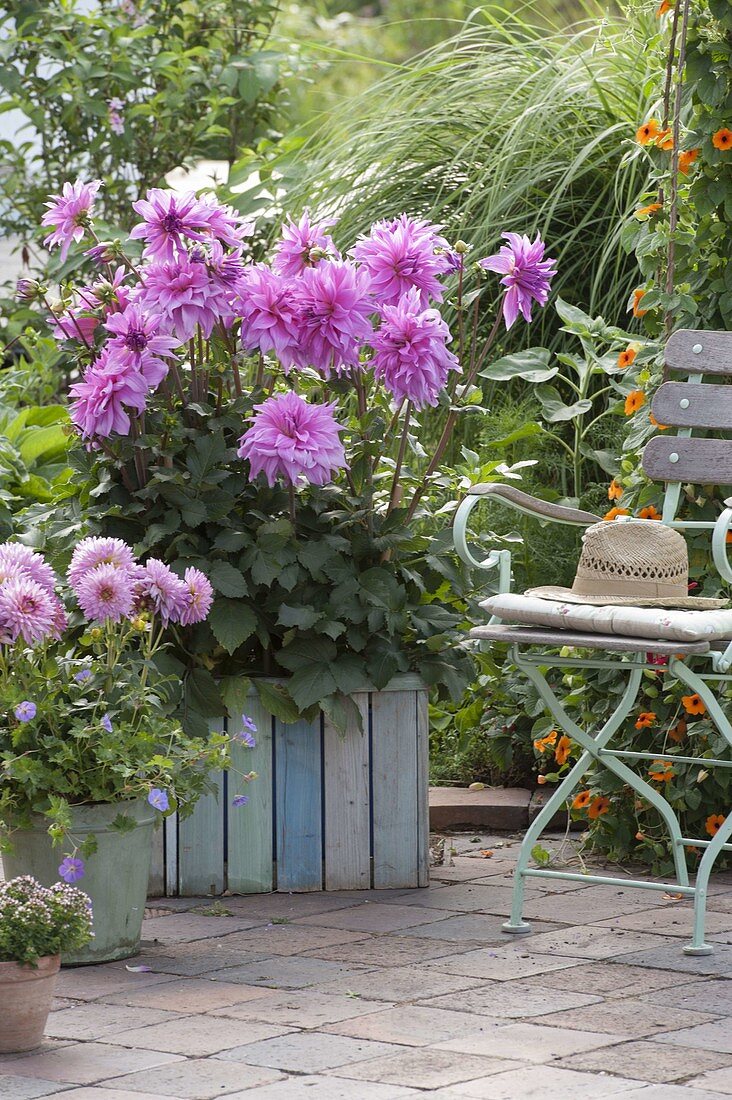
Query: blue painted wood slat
x=298, y=806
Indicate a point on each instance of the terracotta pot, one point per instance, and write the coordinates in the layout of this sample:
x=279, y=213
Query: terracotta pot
x=26, y=993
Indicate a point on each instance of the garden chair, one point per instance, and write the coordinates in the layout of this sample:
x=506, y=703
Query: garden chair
x=689, y=405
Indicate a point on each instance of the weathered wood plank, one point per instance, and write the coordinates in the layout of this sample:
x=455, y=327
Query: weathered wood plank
x=250, y=828
x=298, y=802
x=156, y=881
x=714, y=354
x=693, y=405
x=423, y=789
x=347, y=803
x=201, y=841
x=614, y=643
x=170, y=825
x=395, y=789
x=700, y=461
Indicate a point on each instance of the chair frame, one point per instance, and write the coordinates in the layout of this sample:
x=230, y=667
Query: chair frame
x=682, y=351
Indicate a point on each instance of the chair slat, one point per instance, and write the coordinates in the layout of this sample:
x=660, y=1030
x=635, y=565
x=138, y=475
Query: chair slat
x=690, y=405
x=700, y=461
x=613, y=643
x=699, y=352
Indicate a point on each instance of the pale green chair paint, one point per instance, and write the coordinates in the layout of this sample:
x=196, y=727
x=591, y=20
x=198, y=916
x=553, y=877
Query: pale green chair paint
x=676, y=460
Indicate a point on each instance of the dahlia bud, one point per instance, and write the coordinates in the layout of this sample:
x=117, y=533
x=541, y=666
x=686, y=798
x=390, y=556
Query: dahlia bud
x=106, y=252
x=316, y=254
x=461, y=248
x=29, y=290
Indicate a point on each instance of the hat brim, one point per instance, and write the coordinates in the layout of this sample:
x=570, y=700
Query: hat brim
x=685, y=603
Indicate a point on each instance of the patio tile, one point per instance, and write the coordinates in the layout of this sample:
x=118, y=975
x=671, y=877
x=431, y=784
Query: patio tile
x=377, y=917
x=671, y=957
x=84, y=1063
x=597, y=903
x=316, y=1087
x=589, y=942
x=290, y=972
x=716, y=1035
x=188, y=995
x=302, y=1008
x=290, y=939
x=676, y=920
x=628, y=1017
x=412, y=1025
x=400, y=983
x=613, y=979
x=467, y=898
x=718, y=1080
x=86, y=983
x=545, y=1083
x=648, y=1061
x=501, y=963
x=669, y=1092
x=307, y=1052
x=196, y=1080
x=391, y=950
x=94, y=1092
x=512, y=999
x=196, y=1036
x=25, y=1088
x=711, y=995
x=525, y=1042
x=184, y=927
x=473, y=927
x=97, y=1021
x=424, y=1068
x=195, y=965
x=269, y=907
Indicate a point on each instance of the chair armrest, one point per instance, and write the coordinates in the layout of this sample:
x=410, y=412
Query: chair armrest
x=533, y=506
x=719, y=542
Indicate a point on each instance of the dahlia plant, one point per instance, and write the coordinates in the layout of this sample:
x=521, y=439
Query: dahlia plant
x=84, y=705
x=283, y=427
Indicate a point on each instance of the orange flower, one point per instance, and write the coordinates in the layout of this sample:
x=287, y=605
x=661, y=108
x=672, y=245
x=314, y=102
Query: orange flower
x=614, y=490
x=693, y=704
x=648, y=132
x=647, y=211
x=645, y=718
x=543, y=743
x=541, y=780
x=561, y=754
x=663, y=7
x=729, y=537
x=713, y=823
x=638, y=295
x=664, y=140
x=627, y=357
x=649, y=513
x=598, y=807
x=654, y=422
x=615, y=512
x=678, y=733
x=722, y=140
x=686, y=159
x=581, y=800
x=661, y=771
x=634, y=401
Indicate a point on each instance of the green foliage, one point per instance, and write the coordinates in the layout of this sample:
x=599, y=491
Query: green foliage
x=194, y=80
x=36, y=922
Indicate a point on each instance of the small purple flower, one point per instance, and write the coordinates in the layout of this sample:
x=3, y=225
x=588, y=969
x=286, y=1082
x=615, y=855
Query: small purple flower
x=107, y=723
x=245, y=735
x=527, y=275
x=70, y=869
x=116, y=122
x=25, y=711
x=159, y=799
x=240, y=800
x=83, y=675
x=291, y=439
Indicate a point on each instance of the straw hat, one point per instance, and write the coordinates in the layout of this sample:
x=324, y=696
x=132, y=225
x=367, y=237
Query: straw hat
x=642, y=563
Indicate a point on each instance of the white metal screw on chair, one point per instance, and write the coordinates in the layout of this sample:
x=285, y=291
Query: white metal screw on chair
x=676, y=460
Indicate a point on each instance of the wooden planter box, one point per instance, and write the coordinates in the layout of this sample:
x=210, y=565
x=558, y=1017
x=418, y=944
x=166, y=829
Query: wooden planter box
x=327, y=812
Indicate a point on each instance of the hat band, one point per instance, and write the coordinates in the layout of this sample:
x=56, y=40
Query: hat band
x=617, y=586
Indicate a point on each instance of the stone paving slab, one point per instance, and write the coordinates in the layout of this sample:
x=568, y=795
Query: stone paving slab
x=372, y=995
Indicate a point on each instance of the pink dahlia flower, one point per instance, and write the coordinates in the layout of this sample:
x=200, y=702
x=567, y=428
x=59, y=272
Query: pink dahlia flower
x=291, y=439
x=159, y=589
x=93, y=303
x=112, y=386
x=401, y=254
x=411, y=356
x=199, y=599
x=184, y=296
x=27, y=611
x=293, y=253
x=94, y=551
x=60, y=619
x=17, y=560
x=69, y=214
x=106, y=594
x=333, y=303
x=224, y=223
x=267, y=307
x=145, y=337
x=169, y=219
x=527, y=275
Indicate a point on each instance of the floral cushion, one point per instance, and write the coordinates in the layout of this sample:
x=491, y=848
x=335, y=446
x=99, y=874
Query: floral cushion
x=636, y=622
